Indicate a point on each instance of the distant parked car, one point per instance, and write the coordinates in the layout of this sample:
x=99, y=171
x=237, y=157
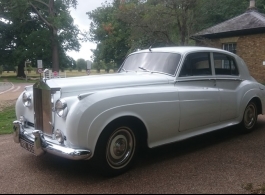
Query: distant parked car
x=158, y=96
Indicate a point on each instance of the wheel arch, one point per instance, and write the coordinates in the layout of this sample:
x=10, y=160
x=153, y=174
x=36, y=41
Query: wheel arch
x=141, y=131
x=249, y=119
x=258, y=104
x=106, y=119
x=249, y=96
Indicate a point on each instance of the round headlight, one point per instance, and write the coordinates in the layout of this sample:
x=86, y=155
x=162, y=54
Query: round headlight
x=26, y=99
x=61, y=108
x=59, y=136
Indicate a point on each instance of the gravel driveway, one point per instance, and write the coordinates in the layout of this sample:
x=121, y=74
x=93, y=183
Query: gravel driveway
x=218, y=163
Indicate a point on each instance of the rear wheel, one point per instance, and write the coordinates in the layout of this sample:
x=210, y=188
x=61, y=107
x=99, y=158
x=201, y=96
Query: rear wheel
x=250, y=117
x=116, y=149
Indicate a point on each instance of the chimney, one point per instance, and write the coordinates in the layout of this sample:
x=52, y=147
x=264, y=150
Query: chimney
x=252, y=4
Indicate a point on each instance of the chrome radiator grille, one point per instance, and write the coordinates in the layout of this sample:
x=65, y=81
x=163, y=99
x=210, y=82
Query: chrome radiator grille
x=43, y=108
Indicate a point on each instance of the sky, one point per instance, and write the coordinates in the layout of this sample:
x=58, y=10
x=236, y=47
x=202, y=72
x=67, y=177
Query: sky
x=82, y=21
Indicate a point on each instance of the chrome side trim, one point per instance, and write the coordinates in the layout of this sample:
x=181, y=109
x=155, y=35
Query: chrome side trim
x=196, y=79
x=230, y=79
x=41, y=145
x=209, y=79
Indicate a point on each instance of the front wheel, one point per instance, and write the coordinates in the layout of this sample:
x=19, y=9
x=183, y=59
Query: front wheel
x=250, y=117
x=116, y=149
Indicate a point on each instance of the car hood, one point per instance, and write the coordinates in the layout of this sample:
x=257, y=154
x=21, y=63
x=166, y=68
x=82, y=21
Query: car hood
x=106, y=81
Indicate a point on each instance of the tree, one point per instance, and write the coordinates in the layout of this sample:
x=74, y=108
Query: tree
x=1, y=70
x=33, y=27
x=216, y=11
x=13, y=31
x=124, y=26
x=81, y=64
x=52, y=13
x=98, y=65
x=159, y=22
x=111, y=65
x=110, y=33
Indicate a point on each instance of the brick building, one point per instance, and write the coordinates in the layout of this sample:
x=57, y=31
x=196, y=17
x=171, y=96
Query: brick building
x=243, y=35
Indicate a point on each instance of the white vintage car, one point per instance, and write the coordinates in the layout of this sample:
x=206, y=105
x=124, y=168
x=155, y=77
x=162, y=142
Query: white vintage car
x=158, y=96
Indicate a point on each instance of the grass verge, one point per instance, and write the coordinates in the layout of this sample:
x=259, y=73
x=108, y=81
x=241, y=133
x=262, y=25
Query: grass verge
x=7, y=116
x=14, y=79
x=33, y=77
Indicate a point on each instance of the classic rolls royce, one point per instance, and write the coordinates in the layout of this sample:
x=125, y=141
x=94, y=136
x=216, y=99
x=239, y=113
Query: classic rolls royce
x=158, y=96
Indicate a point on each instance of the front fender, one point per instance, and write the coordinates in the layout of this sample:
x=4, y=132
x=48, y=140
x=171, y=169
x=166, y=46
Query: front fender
x=93, y=113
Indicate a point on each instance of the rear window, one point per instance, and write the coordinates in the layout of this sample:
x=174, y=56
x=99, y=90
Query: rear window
x=225, y=65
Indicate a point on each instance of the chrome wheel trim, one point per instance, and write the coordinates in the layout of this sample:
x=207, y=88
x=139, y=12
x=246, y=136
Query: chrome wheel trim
x=120, y=148
x=250, y=116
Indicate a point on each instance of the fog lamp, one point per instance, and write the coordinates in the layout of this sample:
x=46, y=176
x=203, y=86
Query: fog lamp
x=59, y=136
x=23, y=121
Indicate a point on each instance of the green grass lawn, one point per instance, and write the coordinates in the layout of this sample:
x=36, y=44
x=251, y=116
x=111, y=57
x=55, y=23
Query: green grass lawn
x=7, y=116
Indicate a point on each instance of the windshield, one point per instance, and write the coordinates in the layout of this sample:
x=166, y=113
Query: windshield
x=152, y=62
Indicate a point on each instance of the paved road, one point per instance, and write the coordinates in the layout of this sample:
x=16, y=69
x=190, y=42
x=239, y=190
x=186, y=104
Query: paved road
x=10, y=91
x=220, y=163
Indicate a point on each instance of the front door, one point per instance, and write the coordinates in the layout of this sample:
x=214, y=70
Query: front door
x=198, y=94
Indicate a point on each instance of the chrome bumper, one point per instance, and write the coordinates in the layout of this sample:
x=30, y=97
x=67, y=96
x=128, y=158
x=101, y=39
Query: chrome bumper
x=41, y=145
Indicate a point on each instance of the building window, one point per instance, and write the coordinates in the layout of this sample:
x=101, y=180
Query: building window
x=230, y=47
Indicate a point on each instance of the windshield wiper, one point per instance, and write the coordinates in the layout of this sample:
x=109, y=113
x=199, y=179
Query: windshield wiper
x=123, y=69
x=142, y=68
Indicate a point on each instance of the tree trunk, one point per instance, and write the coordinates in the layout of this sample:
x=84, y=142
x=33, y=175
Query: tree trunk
x=55, y=53
x=20, y=70
x=54, y=39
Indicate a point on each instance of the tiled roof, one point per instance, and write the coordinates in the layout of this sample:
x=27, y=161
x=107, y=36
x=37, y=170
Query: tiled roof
x=250, y=20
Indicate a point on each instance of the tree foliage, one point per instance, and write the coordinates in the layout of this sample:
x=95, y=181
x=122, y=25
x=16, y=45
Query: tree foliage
x=37, y=29
x=44, y=29
x=81, y=64
x=110, y=33
x=123, y=26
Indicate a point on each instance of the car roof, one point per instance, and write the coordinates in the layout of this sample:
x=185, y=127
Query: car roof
x=184, y=49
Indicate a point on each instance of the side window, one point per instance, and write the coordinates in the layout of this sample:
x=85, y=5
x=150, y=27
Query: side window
x=196, y=64
x=225, y=65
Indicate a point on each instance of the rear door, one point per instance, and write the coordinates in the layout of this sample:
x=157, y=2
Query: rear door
x=227, y=81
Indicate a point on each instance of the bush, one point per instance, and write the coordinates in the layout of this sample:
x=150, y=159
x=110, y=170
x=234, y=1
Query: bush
x=1, y=70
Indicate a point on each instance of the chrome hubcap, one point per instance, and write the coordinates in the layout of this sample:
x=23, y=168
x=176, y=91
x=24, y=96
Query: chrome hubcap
x=250, y=115
x=120, y=148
